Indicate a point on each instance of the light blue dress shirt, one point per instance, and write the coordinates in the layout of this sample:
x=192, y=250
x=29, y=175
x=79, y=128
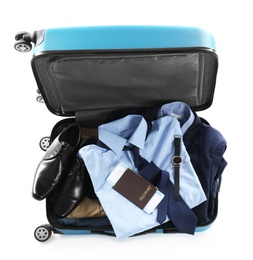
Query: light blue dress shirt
x=158, y=146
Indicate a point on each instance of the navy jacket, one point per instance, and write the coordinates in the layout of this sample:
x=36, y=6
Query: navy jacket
x=206, y=147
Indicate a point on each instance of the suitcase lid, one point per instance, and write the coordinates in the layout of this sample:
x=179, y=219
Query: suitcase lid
x=94, y=71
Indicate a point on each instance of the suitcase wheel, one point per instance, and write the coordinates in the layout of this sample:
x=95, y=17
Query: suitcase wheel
x=23, y=46
x=43, y=233
x=40, y=99
x=45, y=143
x=23, y=41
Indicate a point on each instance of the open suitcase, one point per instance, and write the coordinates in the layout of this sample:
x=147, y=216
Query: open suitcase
x=95, y=75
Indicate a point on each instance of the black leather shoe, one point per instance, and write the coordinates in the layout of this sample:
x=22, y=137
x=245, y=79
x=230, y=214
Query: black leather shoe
x=74, y=186
x=56, y=161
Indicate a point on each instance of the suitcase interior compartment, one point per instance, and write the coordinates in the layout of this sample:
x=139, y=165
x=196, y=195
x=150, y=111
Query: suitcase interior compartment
x=206, y=212
x=93, y=85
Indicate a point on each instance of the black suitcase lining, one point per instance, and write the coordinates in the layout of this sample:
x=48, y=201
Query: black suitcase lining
x=99, y=83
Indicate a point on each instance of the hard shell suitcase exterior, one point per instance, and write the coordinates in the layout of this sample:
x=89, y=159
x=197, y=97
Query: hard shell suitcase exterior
x=93, y=74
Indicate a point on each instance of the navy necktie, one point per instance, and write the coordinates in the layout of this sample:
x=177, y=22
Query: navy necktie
x=178, y=211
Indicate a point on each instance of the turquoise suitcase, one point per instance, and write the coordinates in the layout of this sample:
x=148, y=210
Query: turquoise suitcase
x=88, y=73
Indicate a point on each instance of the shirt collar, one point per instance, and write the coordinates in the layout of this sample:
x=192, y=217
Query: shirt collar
x=180, y=111
x=131, y=129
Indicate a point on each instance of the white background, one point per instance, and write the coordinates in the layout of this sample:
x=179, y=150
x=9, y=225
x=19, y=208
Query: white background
x=24, y=122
